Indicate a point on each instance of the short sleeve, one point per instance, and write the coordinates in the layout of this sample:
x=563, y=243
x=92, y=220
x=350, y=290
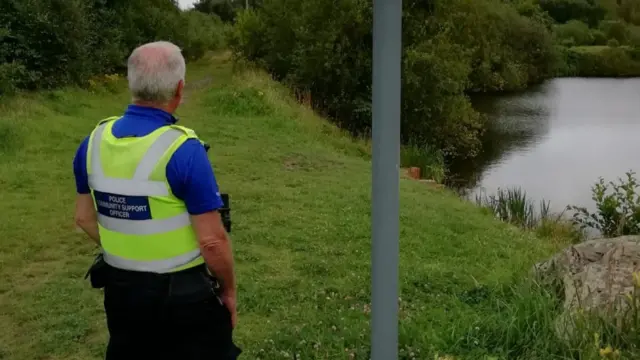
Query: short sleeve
x=80, y=168
x=192, y=179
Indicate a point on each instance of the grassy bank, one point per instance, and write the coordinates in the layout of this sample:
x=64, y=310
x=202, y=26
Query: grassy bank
x=300, y=193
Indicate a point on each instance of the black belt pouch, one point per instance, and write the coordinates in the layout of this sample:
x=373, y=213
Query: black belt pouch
x=98, y=273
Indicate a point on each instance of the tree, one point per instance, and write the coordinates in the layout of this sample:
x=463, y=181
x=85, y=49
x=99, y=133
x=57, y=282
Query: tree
x=225, y=9
x=588, y=11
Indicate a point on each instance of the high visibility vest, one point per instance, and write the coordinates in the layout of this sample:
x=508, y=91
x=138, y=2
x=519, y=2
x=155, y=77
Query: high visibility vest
x=143, y=226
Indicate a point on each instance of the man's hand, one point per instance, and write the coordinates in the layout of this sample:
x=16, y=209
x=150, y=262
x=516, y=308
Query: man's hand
x=229, y=300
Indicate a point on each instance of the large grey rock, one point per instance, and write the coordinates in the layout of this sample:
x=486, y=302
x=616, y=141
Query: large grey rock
x=595, y=278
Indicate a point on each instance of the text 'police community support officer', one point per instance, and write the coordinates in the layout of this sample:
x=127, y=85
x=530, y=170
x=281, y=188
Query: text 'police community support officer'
x=148, y=197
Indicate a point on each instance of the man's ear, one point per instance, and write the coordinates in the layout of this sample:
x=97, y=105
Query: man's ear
x=180, y=89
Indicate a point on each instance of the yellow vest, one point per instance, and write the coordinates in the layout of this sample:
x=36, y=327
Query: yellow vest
x=143, y=226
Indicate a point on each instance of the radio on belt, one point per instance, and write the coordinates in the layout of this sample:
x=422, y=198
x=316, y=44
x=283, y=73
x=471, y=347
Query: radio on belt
x=225, y=212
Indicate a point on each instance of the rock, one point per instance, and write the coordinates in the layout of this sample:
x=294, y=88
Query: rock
x=595, y=278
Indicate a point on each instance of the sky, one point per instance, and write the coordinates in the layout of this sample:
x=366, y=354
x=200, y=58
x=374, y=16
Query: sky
x=186, y=3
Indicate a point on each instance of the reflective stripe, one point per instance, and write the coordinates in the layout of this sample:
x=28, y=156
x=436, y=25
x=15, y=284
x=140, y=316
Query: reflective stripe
x=155, y=152
x=144, y=227
x=128, y=187
x=156, y=266
x=96, y=164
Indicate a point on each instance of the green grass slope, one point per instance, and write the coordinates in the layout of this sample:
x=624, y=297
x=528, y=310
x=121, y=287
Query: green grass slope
x=300, y=193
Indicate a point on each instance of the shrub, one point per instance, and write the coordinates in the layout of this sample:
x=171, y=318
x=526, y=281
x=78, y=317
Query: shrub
x=562, y=11
x=200, y=33
x=618, y=211
x=50, y=43
x=634, y=35
x=599, y=37
x=11, y=77
x=601, y=61
x=616, y=29
x=576, y=32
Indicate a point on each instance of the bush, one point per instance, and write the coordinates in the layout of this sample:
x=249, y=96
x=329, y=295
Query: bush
x=616, y=29
x=601, y=61
x=50, y=43
x=618, y=212
x=634, y=35
x=599, y=37
x=562, y=11
x=51, y=39
x=200, y=33
x=11, y=77
x=574, y=32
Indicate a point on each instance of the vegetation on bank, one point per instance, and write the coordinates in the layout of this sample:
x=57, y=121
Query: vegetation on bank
x=300, y=191
x=451, y=49
x=513, y=206
x=617, y=211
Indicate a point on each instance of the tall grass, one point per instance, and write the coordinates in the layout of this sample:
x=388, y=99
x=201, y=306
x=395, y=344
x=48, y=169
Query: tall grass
x=515, y=207
x=428, y=159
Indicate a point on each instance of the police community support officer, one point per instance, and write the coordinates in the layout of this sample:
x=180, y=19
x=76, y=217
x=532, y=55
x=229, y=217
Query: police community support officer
x=157, y=222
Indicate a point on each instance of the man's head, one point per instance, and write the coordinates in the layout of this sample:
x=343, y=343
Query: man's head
x=156, y=73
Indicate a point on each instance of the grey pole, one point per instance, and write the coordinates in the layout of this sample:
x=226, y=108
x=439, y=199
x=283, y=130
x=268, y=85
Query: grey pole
x=387, y=54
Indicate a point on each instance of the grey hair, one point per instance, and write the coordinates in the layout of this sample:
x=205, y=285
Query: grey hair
x=154, y=71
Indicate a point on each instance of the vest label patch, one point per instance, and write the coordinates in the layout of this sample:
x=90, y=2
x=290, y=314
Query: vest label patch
x=123, y=207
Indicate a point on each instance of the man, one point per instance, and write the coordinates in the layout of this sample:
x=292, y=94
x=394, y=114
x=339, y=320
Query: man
x=148, y=196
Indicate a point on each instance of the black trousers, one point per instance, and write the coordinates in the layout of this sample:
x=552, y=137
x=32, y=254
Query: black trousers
x=169, y=316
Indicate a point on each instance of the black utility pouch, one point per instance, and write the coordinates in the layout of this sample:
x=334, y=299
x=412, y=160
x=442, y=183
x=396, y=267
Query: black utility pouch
x=225, y=212
x=98, y=273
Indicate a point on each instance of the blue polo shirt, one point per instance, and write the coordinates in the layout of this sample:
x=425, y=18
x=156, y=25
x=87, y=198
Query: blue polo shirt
x=189, y=172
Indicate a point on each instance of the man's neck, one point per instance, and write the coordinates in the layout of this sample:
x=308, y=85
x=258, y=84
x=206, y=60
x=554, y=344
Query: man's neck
x=152, y=105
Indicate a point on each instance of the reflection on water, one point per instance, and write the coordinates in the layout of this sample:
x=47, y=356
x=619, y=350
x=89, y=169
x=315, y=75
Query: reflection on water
x=555, y=140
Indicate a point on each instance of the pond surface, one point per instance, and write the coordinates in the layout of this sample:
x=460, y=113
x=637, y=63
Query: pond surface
x=555, y=140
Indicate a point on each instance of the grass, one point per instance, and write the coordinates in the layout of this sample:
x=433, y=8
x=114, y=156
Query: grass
x=300, y=191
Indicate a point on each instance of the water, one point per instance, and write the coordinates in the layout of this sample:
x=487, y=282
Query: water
x=555, y=141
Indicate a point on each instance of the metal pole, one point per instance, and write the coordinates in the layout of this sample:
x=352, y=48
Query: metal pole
x=387, y=54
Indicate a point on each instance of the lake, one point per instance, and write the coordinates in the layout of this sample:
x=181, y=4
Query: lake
x=556, y=139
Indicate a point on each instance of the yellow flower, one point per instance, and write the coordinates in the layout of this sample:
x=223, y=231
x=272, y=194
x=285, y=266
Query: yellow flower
x=609, y=353
x=606, y=351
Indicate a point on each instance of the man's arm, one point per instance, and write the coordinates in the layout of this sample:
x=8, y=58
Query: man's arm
x=191, y=177
x=86, y=217
x=85, y=214
x=216, y=249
